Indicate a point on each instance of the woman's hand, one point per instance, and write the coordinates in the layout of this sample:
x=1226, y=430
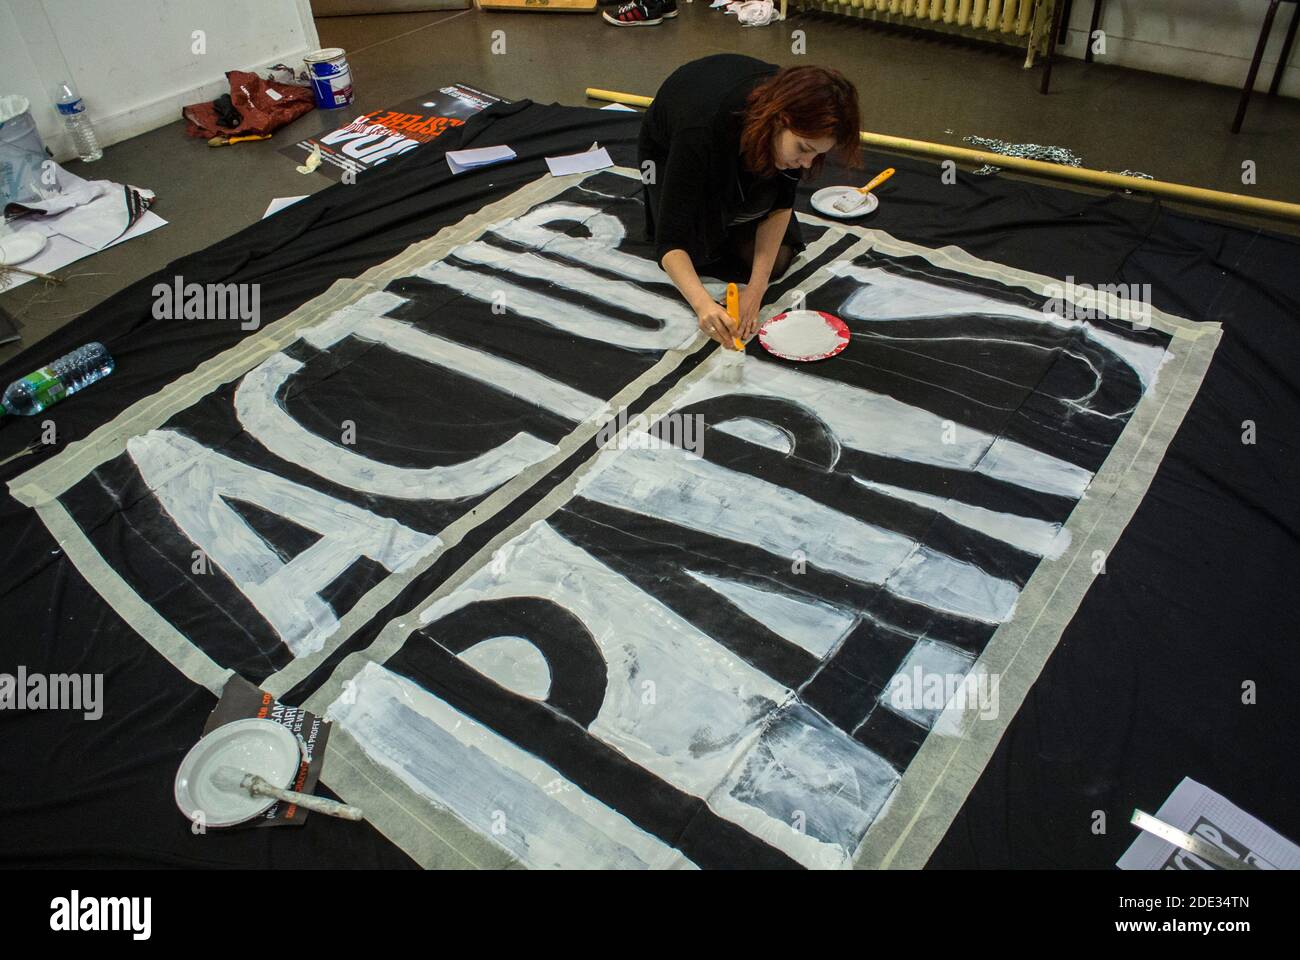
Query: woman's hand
x=751, y=301
x=717, y=323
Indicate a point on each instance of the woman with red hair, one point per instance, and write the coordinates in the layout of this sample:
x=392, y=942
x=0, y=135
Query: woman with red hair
x=721, y=150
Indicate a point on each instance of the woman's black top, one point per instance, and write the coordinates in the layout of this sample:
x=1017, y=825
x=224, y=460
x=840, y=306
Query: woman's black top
x=691, y=133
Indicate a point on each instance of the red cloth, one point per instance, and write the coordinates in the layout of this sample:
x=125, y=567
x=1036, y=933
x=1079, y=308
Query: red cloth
x=256, y=100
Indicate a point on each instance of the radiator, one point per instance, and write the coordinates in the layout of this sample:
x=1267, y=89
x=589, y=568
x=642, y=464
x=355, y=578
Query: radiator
x=1019, y=22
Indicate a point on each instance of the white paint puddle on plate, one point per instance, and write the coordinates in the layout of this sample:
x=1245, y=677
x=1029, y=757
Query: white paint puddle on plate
x=803, y=335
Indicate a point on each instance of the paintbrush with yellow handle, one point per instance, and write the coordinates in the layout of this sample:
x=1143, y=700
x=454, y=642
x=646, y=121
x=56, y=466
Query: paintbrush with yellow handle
x=850, y=203
x=733, y=361
x=224, y=141
x=733, y=311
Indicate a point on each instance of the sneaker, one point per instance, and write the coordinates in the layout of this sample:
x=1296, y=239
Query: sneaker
x=670, y=6
x=642, y=13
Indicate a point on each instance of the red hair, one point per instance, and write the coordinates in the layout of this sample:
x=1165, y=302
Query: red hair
x=813, y=102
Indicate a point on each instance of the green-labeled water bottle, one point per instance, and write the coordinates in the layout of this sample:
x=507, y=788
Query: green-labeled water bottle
x=64, y=377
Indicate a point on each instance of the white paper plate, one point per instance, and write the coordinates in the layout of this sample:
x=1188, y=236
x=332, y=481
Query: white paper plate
x=18, y=247
x=836, y=336
x=823, y=201
x=263, y=747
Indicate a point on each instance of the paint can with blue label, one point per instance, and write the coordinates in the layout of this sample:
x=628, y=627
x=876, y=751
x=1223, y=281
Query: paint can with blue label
x=331, y=77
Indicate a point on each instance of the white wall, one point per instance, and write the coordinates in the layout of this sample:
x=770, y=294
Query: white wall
x=133, y=60
x=1210, y=40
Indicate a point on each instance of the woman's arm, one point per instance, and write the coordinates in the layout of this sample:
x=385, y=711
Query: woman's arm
x=767, y=241
x=712, y=316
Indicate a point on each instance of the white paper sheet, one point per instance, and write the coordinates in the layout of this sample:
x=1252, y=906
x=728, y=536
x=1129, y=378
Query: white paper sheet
x=279, y=203
x=618, y=106
x=1197, y=810
x=93, y=213
x=85, y=216
x=579, y=162
x=62, y=250
x=462, y=160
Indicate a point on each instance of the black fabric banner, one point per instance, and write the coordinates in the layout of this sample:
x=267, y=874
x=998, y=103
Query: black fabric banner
x=1173, y=665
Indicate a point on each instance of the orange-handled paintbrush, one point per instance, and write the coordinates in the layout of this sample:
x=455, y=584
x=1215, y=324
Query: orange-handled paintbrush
x=733, y=311
x=850, y=202
x=225, y=141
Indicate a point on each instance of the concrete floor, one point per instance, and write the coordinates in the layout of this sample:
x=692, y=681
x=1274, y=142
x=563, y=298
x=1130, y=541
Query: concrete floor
x=912, y=84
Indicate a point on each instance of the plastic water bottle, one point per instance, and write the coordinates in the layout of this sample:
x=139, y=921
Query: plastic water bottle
x=73, y=111
x=64, y=377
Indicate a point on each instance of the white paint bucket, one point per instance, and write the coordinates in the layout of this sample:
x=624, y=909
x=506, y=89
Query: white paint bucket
x=22, y=153
x=331, y=77
x=17, y=126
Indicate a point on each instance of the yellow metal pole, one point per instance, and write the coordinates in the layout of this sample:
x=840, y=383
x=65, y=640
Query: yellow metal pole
x=1098, y=178
x=630, y=99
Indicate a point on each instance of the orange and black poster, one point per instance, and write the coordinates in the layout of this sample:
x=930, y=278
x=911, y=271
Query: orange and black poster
x=379, y=135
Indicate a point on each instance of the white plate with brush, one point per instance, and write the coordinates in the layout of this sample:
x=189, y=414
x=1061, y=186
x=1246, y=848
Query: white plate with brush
x=261, y=747
x=824, y=200
x=848, y=203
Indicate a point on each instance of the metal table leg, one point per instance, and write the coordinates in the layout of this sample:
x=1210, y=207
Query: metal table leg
x=1254, y=66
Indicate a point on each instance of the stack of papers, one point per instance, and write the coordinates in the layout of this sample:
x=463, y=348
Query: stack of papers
x=82, y=218
x=462, y=160
x=592, y=159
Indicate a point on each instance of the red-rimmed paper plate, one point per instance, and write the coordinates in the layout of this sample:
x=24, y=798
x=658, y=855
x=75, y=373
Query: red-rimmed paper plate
x=804, y=335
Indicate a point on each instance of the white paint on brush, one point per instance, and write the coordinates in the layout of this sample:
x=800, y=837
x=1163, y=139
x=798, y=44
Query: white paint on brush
x=190, y=481
x=879, y=424
x=502, y=792
x=1024, y=533
x=700, y=495
x=817, y=627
